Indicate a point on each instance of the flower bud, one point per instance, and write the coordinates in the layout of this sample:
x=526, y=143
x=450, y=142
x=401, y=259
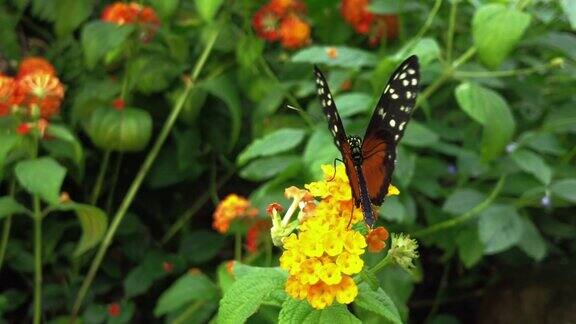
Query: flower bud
x=403, y=250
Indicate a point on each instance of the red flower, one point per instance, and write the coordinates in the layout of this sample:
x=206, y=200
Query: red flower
x=230, y=208
x=168, y=266
x=120, y=13
x=294, y=32
x=266, y=23
x=23, y=129
x=114, y=309
x=274, y=206
x=34, y=64
x=254, y=234
x=118, y=104
x=41, y=89
x=7, y=90
x=281, y=7
x=346, y=85
x=376, y=239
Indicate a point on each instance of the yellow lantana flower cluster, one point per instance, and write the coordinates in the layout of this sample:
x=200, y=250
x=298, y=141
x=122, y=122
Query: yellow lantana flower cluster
x=325, y=253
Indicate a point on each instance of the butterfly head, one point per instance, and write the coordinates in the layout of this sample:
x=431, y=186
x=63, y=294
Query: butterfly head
x=355, y=143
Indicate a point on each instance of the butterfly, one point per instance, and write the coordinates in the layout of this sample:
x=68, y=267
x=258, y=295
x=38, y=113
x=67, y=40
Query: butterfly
x=370, y=161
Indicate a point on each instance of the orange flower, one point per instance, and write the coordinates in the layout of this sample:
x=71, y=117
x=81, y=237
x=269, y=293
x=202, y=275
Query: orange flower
x=23, y=129
x=255, y=233
x=294, y=32
x=120, y=13
x=229, y=209
x=376, y=239
x=355, y=13
x=7, y=89
x=118, y=104
x=274, y=207
x=266, y=23
x=332, y=52
x=168, y=266
x=281, y=7
x=34, y=64
x=43, y=90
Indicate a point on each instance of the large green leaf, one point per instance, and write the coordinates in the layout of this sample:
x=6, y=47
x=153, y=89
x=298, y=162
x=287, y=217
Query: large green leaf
x=276, y=142
x=569, y=8
x=345, y=56
x=496, y=30
x=378, y=302
x=223, y=88
x=192, y=286
x=462, y=200
x=470, y=249
x=499, y=228
x=247, y=293
x=98, y=38
x=208, y=8
x=352, y=103
x=42, y=177
x=7, y=143
x=70, y=14
x=532, y=241
x=295, y=311
x=266, y=168
x=68, y=145
x=534, y=164
x=491, y=110
x=9, y=206
x=93, y=221
x=565, y=188
x=419, y=135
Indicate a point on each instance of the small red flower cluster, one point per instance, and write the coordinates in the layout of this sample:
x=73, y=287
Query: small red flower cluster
x=355, y=13
x=133, y=13
x=282, y=20
x=36, y=90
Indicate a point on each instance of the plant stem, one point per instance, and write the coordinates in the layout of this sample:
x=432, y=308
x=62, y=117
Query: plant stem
x=100, y=178
x=238, y=247
x=500, y=74
x=187, y=215
x=37, y=261
x=7, y=226
x=383, y=263
x=186, y=315
x=450, y=33
x=425, y=27
x=113, y=182
x=466, y=216
x=137, y=182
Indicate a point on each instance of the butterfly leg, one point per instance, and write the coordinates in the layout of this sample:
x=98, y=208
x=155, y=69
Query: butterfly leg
x=334, y=175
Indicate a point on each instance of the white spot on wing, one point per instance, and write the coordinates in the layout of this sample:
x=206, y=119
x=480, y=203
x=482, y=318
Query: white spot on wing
x=402, y=76
x=414, y=82
x=411, y=71
x=401, y=126
x=394, y=96
x=408, y=94
x=329, y=102
x=392, y=90
x=381, y=112
x=392, y=123
x=396, y=137
x=335, y=128
x=405, y=82
x=387, y=88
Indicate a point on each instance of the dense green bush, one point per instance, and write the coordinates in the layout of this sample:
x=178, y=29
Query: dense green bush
x=154, y=113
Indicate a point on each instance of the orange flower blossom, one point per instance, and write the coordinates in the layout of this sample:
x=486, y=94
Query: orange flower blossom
x=230, y=208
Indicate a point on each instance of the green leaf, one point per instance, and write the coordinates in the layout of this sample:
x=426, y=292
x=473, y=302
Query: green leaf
x=296, y=311
x=99, y=38
x=152, y=73
x=208, y=8
x=490, y=110
x=419, y=135
x=378, y=302
x=93, y=221
x=246, y=294
x=248, y=50
x=496, y=30
x=499, y=228
x=70, y=14
x=8, y=38
x=42, y=177
x=165, y=8
x=276, y=142
x=268, y=167
x=531, y=241
x=565, y=188
x=142, y=277
x=223, y=88
x=462, y=200
x=7, y=143
x=192, y=286
x=72, y=146
x=569, y=8
x=470, y=249
x=345, y=56
x=352, y=103
x=201, y=246
x=9, y=206
x=427, y=50
x=532, y=163
x=320, y=149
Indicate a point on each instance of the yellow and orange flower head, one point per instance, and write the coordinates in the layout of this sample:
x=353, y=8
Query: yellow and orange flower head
x=33, y=64
x=230, y=208
x=7, y=90
x=282, y=20
x=41, y=90
x=357, y=14
x=294, y=32
x=121, y=13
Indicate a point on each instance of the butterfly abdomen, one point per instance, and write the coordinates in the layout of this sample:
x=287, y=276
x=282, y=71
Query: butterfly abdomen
x=364, y=198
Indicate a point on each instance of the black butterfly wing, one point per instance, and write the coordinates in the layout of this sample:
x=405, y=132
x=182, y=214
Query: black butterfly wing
x=387, y=126
x=337, y=129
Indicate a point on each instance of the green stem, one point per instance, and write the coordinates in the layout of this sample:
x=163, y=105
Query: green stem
x=238, y=247
x=187, y=315
x=425, y=27
x=187, y=215
x=450, y=33
x=500, y=74
x=7, y=226
x=100, y=178
x=137, y=182
x=466, y=216
x=37, y=261
x=380, y=265
x=113, y=183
